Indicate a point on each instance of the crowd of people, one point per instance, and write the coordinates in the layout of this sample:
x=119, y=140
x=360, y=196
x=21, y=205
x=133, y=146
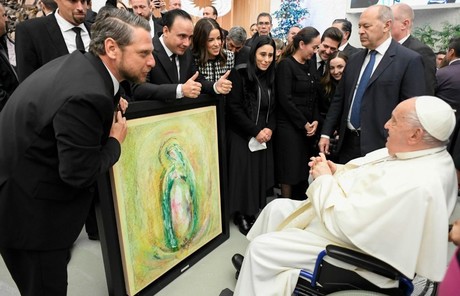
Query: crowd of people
x=286, y=101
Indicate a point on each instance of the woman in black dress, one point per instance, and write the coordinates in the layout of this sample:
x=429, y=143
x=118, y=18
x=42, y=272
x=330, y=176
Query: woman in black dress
x=251, y=123
x=297, y=93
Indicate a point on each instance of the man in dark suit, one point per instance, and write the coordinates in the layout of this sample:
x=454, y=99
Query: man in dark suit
x=345, y=26
x=448, y=77
x=264, y=27
x=62, y=135
x=144, y=9
x=402, y=26
x=211, y=12
x=396, y=74
x=43, y=39
x=175, y=75
x=8, y=78
x=330, y=42
x=235, y=43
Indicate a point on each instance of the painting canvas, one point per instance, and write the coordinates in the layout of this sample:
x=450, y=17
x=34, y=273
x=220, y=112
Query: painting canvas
x=166, y=192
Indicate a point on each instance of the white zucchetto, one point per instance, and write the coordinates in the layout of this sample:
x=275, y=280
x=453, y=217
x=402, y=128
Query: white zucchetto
x=436, y=116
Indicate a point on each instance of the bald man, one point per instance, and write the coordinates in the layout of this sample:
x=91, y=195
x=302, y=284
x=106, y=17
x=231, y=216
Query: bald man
x=401, y=32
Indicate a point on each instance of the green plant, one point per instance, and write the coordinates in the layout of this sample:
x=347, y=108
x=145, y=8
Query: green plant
x=437, y=40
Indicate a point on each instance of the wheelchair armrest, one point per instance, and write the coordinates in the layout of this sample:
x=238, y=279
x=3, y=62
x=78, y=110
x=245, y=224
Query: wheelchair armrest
x=364, y=261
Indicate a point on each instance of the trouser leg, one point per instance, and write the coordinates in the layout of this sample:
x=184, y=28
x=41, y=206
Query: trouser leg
x=38, y=273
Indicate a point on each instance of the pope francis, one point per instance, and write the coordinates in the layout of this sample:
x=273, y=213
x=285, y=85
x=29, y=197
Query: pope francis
x=393, y=204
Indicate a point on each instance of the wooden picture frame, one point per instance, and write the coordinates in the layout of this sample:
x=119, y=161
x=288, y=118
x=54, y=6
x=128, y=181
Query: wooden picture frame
x=162, y=207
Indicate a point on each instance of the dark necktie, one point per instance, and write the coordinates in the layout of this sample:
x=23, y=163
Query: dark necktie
x=78, y=40
x=173, y=61
x=321, y=68
x=355, y=117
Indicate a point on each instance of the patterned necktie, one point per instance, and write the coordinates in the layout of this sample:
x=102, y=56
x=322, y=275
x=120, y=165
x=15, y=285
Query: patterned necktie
x=355, y=117
x=78, y=40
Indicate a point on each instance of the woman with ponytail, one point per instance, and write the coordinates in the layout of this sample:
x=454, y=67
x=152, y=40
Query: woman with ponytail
x=298, y=93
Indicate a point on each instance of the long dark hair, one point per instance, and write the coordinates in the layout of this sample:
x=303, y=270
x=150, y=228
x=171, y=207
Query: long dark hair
x=326, y=80
x=200, y=39
x=252, y=66
x=306, y=35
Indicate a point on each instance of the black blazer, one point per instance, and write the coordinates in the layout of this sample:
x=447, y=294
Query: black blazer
x=448, y=87
x=350, y=50
x=8, y=79
x=429, y=62
x=397, y=77
x=58, y=145
x=38, y=41
x=162, y=80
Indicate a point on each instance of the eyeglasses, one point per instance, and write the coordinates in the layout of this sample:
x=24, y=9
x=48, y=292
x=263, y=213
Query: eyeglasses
x=263, y=23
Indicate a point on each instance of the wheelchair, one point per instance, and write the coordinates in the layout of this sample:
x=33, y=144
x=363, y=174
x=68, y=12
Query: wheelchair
x=328, y=279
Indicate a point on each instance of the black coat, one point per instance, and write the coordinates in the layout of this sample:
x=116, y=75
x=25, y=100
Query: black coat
x=8, y=78
x=55, y=145
x=38, y=41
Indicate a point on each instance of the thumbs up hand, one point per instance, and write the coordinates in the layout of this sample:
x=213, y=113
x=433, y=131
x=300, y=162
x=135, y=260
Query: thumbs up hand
x=223, y=85
x=191, y=88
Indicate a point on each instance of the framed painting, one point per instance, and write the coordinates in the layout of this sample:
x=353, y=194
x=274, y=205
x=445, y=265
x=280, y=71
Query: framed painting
x=167, y=193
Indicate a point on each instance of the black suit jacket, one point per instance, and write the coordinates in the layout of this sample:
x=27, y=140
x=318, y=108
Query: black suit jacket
x=396, y=78
x=162, y=79
x=429, y=62
x=242, y=56
x=350, y=50
x=8, y=78
x=55, y=145
x=38, y=41
x=448, y=87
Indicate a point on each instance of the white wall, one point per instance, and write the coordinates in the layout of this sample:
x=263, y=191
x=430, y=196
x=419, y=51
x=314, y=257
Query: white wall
x=323, y=12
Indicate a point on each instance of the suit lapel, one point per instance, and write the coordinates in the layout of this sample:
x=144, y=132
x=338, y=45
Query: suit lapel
x=56, y=35
x=355, y=69
x=164, y=60
x=386, y=61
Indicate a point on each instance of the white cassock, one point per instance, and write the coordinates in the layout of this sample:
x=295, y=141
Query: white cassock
x=395, y=209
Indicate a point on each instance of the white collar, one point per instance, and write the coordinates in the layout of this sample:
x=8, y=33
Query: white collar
x=342, y=47
x=382, y=48
x=454, y=60
x=419, y=153
x=168, y=52
x=404, y=39
x=116, y=84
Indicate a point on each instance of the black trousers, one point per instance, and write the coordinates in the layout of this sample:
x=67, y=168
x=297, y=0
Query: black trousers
x=351, y=146
x=38, y=273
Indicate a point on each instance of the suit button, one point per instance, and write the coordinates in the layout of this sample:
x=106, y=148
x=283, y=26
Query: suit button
x=92, y=189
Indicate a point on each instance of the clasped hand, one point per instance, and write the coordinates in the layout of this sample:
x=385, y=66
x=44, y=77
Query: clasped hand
x=264, y=135
x=310, y=128
x=319, y=166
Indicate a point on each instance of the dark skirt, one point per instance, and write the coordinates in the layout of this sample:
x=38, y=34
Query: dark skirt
x=250, y=174
x=293, y=150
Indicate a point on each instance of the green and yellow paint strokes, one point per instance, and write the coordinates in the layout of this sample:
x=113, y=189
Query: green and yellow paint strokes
x=166, y=192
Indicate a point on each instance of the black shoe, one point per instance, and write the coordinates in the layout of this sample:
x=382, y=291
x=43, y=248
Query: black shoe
x=237, y=261
x=243, y=222
x=93, y=236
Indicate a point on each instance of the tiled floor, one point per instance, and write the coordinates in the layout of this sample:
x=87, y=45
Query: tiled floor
x=208, y=277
